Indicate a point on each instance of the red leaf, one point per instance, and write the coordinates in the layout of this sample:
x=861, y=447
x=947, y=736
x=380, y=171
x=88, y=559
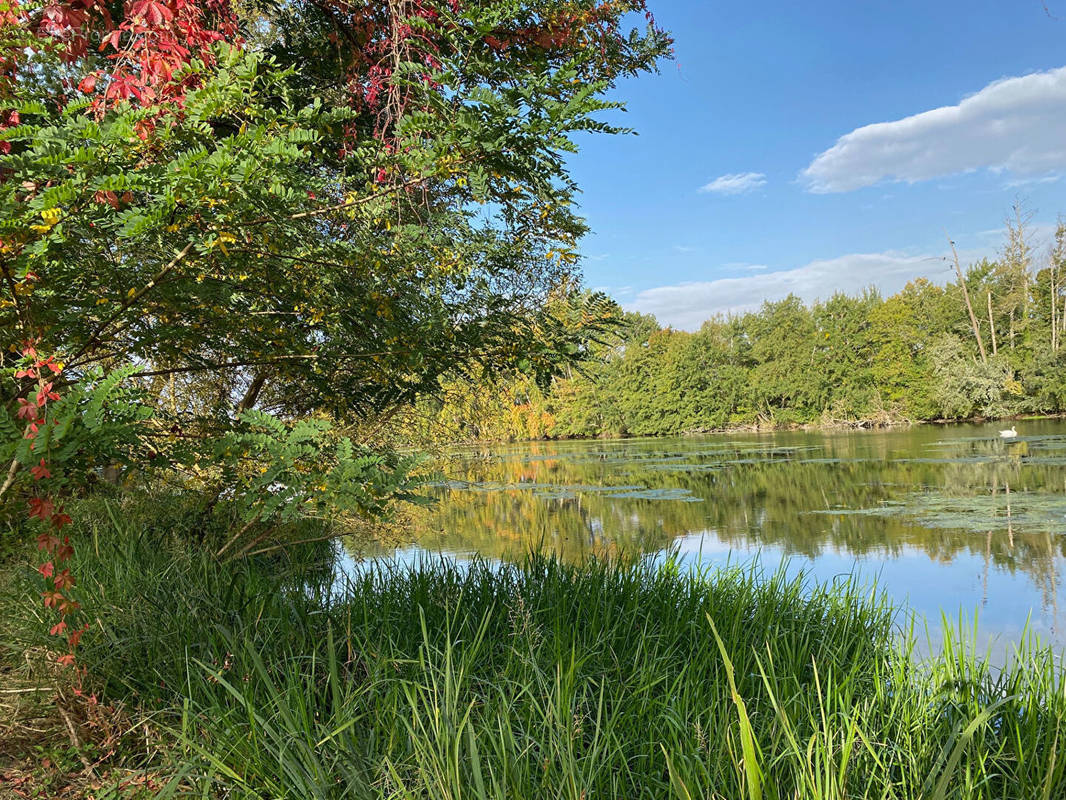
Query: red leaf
x=112, y=39
x=63, y=580
x=58, y=628
x=47, y=569
x=41, y=507
x=47, y=542
x=27, y=410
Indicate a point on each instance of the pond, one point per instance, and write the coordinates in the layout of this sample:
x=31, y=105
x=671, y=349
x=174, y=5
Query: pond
x=948, y=520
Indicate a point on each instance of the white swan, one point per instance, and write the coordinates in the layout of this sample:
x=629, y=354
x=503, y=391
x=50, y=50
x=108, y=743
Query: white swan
x=1010, y=433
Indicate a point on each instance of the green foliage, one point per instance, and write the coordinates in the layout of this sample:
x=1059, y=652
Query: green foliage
x=277, y=473
x=967, y=387
x=597, y=680
x=1044, y=381
x=844, y=361
x=94, y=424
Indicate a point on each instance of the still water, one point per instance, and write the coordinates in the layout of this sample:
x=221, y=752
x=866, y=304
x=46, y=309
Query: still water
x=947, y=520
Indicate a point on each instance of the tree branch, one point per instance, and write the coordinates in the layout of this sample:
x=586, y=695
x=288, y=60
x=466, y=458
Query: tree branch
x=130, y=301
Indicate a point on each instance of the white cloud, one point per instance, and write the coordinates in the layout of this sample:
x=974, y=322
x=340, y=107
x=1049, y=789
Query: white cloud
x=738, y=183
x=687, y=305
x=1015, y=125
x=1037, y=179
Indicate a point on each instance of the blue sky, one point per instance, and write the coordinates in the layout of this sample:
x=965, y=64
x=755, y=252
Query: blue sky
x=755, y=172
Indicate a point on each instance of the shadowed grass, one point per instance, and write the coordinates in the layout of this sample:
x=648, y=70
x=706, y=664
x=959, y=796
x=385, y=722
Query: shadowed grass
x=604, y=680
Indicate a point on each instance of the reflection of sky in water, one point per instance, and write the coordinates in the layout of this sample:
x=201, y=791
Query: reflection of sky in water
x=946, y=519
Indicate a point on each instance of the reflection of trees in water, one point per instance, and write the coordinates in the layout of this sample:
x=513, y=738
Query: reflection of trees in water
x=508, y=524
x=759, y=491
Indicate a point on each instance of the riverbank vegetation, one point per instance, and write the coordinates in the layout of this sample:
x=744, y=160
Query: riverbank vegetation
x=239, y=242
x=267, y=678
x=868, y=360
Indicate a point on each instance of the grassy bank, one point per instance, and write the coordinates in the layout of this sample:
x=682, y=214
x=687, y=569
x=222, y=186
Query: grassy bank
x=540, y=680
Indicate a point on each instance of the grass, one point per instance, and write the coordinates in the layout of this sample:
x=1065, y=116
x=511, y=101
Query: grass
x=605, y=680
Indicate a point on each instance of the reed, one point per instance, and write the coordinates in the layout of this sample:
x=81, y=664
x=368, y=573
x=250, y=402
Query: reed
x=618, y=679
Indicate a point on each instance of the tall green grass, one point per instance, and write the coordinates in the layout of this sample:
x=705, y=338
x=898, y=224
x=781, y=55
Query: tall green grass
x=605, y=680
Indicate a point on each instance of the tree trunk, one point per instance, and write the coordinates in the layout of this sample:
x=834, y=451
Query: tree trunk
x=992, y=324
x=1054, y=311
x=252, y=393
x=969, y=305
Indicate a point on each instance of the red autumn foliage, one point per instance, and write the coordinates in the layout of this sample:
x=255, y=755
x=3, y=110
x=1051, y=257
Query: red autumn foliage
x=151, y=43
x=148, y=46
x=41, y=506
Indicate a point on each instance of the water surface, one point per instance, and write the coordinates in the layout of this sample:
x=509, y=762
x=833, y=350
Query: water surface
x=949, y=520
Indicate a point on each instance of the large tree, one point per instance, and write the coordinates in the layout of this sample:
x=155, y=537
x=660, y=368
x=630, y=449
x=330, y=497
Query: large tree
x=312, y=208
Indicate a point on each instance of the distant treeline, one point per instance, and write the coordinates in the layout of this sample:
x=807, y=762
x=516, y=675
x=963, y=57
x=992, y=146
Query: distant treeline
x=987, y=345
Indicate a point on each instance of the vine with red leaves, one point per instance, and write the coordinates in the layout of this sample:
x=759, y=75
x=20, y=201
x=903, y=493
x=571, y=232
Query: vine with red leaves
x=40, y=373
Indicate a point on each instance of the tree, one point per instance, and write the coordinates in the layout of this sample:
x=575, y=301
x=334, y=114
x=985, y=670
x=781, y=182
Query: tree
x=901, y=329
x=1014, y=272
x=969, y=306
x=844, y=353
x=319, y=220
x=783, y=348
x=966, y=387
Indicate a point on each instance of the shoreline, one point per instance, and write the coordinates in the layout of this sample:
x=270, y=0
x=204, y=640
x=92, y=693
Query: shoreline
x=784, y=427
